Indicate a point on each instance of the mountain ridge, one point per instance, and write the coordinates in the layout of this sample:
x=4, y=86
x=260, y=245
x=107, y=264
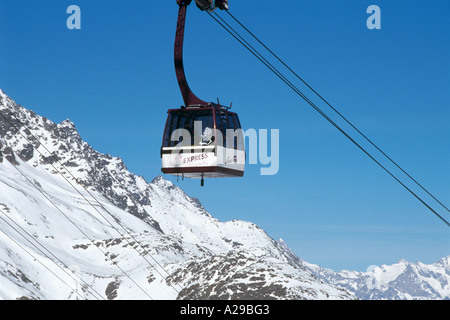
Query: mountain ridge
x=76, y=224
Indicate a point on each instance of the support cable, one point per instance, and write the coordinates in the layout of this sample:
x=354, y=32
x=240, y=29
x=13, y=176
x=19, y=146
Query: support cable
x=337, y=112
x=40, y=262
x=241, y=40
x=17, y=226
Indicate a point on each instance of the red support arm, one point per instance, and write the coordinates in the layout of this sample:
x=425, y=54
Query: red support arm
x=190, y=99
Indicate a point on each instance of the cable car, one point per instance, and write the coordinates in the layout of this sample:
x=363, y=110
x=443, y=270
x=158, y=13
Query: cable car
x=201, y=139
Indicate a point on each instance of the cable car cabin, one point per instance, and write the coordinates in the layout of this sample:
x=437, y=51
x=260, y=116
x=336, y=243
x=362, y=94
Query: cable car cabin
x=203, y=142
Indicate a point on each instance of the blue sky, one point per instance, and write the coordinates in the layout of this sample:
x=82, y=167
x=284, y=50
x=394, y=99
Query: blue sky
x=333, y=206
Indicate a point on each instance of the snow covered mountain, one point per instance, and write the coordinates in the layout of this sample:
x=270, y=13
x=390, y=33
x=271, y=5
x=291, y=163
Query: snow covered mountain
x=76, y=224
x=401, y=281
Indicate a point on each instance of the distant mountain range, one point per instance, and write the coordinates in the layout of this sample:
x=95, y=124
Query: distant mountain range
x=76, y=224
x=401, y=281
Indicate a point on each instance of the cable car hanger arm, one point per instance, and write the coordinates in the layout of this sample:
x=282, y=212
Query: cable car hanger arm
x=189, y=98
